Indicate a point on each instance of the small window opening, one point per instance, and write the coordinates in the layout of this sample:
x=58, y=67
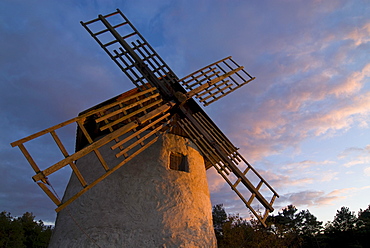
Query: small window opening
x=178, y=162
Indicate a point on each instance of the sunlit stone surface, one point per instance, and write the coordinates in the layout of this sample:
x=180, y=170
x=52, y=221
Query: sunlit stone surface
x=143, y=204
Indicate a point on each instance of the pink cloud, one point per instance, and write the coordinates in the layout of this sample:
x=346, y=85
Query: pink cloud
x=356, y=156
x=360, y=35
x=312, y=198
x=353, y=82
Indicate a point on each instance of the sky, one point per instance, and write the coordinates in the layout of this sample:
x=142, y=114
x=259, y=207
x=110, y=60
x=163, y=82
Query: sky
x=304, y=123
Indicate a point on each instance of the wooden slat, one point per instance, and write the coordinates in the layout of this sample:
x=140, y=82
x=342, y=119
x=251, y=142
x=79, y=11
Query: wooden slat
x=259, y=185
x=101, y=159
x=78, y=174
x=49, y=193
x=203, y=74
x=202, y=87
x=182, y=79
x=108, y=106
x=239, y=179
x=242, y=198
x=59, y=143
x=225, y=94
x=110, y=43
x=129, y=35
x=123, y=141
x=125, y=117
x=76, y=119
x=259, y=176
x=106, y=122
x=197, y=139
x=84, y=131
x=217, y=136
x=273, y=199
x=265, y=215
x=155, y=112
x=111, y=14
x=226, y=75
x=127, y=107
x=215, y=87
x=65, y=153
x=84, y=151
x=45, y=131
x=29, y=158
x=70, y=200
x=153, y=132
x=206, y=77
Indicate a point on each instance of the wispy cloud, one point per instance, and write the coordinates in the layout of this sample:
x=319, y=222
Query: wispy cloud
x=355, y=156
x=318, y=198
x=309, y=57
x=360, y=35
x=367, y=171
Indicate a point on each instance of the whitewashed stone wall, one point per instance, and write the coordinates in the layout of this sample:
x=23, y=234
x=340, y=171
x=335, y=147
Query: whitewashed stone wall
x=143, y=204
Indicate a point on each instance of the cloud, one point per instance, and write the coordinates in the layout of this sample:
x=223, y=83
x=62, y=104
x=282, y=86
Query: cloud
x=355, y=150
x=367, y=171
x=355, y=156
x=305, y=164
x=354, y=162
x=279, y=123
x=360, y=35
x=310, y=65
x=329, y=176
x=310, y=198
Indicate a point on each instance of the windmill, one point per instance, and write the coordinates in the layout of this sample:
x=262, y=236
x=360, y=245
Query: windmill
x=162, y=105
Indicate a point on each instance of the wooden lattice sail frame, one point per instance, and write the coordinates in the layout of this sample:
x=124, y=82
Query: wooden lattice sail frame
x=132, y=115
x=161, y=102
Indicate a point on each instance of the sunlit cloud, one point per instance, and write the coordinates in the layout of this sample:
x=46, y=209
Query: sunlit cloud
x=354, y=162
x=355, y=156
x=329, y=176
x=215, y=181
x=360, y=35
x=319, y=198
x=309, y=198
x=305, y=164
x=311, y=68
x=367, y=171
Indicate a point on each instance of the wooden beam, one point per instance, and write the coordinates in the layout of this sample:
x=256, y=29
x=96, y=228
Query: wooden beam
x=84, y=151
x=54, y=198
x=70, y=200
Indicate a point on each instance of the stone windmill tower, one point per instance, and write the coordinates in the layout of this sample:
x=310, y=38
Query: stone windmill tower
x=140, y=160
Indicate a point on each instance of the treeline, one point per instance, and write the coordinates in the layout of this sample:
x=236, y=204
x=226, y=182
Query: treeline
x=294, y=229
x=289, y=228
x=23, y=232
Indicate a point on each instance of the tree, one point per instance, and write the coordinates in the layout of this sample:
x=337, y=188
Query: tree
x=308, y=224
x=344, y=220
x=36, y=233
x=363, y=227
x=341, y=231
x=308, y=228
x=285, y=226
x=23, y=231
x=236, y=232
x=219, y=217
x=11, y=234
x=296, y=229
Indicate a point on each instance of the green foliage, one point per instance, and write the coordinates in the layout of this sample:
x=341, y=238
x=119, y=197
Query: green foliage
x=363, y=227
x=342, y=230
x=344, y=220
x=11, y=234
x=23, y=231
x=219, y=217
x=291, y=228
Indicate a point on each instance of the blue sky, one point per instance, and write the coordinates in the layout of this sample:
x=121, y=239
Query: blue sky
x=303, y=123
